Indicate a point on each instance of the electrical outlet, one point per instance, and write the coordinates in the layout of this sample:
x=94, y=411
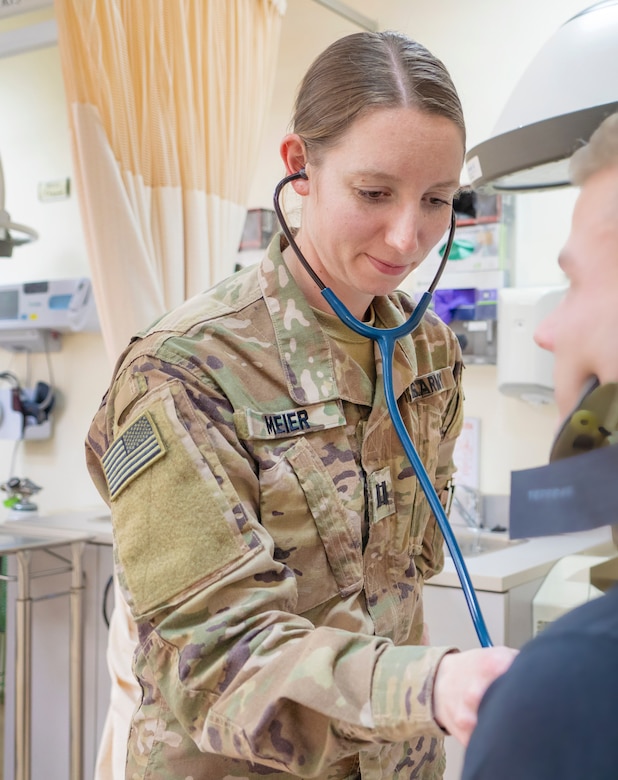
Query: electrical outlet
x=12, y=422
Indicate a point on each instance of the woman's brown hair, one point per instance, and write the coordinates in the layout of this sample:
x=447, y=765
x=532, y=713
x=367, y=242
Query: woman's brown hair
x=365, y=71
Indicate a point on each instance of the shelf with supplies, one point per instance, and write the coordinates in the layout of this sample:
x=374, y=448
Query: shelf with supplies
x=466, y=297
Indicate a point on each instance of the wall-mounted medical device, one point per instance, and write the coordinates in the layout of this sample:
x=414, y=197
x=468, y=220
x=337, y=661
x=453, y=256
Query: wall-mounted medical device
x=525, y=370
x=34, y=314
x=562, y=97
x=25, y=413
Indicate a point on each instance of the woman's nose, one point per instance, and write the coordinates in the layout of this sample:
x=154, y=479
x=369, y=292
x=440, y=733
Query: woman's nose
x=403, y=231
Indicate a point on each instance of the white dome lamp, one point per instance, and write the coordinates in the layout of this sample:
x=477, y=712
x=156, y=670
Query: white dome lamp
x=8, y=239
x=563, y=96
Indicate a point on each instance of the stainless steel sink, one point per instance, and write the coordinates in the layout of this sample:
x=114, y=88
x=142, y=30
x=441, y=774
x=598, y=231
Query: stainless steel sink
x=473, y=543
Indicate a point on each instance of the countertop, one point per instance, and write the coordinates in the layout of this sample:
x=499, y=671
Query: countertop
x=518, y=563
x=496, y=571
x=95, y=522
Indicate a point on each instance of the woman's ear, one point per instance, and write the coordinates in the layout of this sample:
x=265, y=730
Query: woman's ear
x=294, y=156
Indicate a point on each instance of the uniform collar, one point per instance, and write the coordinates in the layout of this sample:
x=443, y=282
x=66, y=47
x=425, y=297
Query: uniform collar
x=311, y=374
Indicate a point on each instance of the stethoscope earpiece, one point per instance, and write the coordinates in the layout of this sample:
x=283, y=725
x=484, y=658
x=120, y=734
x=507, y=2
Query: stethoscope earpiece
x=303, y=174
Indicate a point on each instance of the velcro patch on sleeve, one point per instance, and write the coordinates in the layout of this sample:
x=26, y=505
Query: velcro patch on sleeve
x=138, y=448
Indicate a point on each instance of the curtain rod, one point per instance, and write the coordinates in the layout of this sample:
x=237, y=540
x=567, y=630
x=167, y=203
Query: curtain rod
x=350, y=14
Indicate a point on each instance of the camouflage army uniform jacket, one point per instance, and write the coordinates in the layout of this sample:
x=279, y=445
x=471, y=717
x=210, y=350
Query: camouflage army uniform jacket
x=271, y=539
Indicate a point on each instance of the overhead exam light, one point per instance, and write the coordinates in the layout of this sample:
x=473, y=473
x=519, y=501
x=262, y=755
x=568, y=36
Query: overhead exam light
x=563, y=96
x=8, y=239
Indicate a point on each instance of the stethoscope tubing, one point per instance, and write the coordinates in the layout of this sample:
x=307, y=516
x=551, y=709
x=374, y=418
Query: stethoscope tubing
x=386, y=338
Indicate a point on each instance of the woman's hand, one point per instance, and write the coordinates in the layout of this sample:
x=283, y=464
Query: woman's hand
x=461, y=682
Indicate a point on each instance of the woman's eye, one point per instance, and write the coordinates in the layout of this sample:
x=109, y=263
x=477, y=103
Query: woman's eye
x=438, y=202
x=373, y=195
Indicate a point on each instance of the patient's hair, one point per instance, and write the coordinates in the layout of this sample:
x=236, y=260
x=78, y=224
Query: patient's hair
x=599, y=153
x=365, y=71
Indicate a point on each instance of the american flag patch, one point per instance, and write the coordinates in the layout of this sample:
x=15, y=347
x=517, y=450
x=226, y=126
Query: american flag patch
x=138, y=447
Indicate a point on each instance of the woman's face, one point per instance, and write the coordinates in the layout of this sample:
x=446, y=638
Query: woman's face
x=378, y=201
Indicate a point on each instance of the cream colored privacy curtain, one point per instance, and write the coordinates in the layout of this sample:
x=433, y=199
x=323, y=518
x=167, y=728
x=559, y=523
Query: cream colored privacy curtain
x=166, y=102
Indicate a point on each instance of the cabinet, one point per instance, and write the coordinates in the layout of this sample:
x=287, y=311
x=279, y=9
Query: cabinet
x=508, y=617
x=505, y=582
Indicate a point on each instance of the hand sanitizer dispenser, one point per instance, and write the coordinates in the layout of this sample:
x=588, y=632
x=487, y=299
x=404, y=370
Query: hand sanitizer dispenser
x=525, y=370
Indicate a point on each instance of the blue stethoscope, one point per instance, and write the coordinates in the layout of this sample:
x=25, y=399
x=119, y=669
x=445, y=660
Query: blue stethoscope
x=386, y=338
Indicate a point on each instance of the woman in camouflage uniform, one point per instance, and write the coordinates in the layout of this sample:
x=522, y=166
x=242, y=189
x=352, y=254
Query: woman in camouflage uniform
x=271, y=538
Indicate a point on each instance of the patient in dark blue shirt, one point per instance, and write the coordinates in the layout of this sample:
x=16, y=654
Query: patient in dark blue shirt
x=554, y=714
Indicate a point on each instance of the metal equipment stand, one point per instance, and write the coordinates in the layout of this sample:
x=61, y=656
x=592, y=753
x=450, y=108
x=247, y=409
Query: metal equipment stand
x=22, y=545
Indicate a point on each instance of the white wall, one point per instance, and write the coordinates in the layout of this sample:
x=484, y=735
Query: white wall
x=34, y=145
x=485, y=44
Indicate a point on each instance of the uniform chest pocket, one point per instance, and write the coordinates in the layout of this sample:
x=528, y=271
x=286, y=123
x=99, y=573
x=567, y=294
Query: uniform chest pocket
x=313, y=531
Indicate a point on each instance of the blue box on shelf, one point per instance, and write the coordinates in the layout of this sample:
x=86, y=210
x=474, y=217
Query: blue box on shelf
x=465, y=304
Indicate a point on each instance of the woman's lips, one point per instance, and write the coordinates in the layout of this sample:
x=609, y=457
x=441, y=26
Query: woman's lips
x=386, y=268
